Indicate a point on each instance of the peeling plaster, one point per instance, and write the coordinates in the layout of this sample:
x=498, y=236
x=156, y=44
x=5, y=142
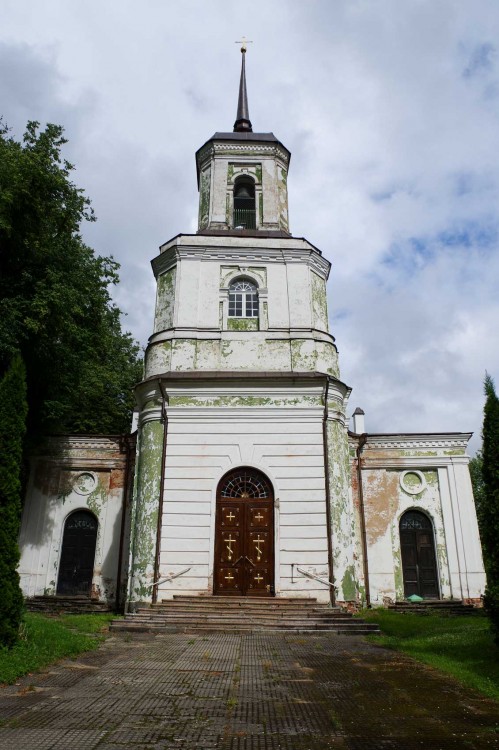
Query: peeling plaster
x=165, y=300
x=146, y=511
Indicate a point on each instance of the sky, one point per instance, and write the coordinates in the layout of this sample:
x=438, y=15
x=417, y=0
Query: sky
x=391, y=112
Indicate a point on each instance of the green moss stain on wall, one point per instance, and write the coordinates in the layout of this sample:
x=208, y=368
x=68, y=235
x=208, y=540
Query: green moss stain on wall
x=283, y=199
x=238, y=401
x=146, y=502
x=327, y=358
x=303, y=355
x=242, y=324
x=183, y=354
x=342, y=520
x=99, y=495
x=258, y=172
x=319, y=302
x=431, y=478
x=165, y=300
x=204, y=197
x=421, y=454
x=348, y=585
x=158, y=358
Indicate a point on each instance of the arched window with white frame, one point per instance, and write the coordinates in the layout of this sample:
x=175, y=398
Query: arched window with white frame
x=243, y=299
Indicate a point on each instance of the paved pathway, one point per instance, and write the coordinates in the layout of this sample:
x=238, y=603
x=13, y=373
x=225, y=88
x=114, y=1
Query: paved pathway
x=243, y=692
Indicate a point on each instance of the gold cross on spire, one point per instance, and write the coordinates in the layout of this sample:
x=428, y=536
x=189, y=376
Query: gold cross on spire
x=243, y=42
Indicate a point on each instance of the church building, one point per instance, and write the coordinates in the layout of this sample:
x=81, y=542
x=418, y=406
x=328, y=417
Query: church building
x=243, y=477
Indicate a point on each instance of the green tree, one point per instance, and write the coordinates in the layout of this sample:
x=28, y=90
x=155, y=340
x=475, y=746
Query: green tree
x=56, y=308
x=13, y=410
x=490, y=503
x=476, y=474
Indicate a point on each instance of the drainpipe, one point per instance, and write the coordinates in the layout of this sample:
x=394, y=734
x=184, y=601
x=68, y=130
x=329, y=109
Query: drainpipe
x=360, y=448
x=164, y=419
x=127, y=439
x=332, y=591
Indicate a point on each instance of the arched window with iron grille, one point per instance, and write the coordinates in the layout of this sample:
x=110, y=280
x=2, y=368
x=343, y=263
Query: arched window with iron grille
x=244, y=204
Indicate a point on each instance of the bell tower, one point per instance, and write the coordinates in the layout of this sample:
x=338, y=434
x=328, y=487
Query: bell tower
x=242, y=436
x=242, y=176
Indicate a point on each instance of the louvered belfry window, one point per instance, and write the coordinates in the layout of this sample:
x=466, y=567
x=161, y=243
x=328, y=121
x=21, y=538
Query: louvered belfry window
x=243, y=300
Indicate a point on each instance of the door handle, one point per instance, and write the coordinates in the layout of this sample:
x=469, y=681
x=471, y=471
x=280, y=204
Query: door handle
x=238, y=561
x=250, y=562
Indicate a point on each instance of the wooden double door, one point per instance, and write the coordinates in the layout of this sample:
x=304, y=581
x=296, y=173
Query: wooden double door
x=244, y=536
x=419, y=562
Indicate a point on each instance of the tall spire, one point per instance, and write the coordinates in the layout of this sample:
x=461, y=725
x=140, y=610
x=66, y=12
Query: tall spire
x=243, y=122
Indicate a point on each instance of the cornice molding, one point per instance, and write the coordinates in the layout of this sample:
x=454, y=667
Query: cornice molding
x=232, y=251
x=230, y=148
x=80, y=442
x=412, y=441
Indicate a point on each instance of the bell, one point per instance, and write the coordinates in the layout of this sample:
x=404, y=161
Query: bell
x=243, y=191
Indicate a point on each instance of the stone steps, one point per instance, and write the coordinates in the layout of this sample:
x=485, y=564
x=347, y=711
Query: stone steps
x=70, y=605
x=450, y=607
x=242, y=615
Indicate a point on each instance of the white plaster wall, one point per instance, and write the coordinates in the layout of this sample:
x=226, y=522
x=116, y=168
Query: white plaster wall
x=202, y=446
x=463, y=540
x=42, y=529
x=300, y=302
x=277, y=284
x=448, y=502
x=186, y=312
x=208, y=300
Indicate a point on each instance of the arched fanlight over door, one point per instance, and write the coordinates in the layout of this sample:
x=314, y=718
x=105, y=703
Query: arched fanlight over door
x=419, y=563
x=244, y=536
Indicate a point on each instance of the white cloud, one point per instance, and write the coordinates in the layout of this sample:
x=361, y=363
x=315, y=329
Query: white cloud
x=391, y=111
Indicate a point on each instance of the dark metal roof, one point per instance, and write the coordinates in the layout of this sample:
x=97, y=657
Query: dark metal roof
x=243, y=122
x=239, y=233
x=241, y=137
x=253, y=137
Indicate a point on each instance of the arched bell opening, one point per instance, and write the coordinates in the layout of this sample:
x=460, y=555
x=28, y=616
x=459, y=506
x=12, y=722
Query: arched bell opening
x=244, y=535
x=244, y=204
x=419, y=562
x=76, y=566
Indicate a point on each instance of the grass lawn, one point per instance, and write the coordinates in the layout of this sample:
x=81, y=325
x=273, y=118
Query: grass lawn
x=46, y=639
x=461, y=646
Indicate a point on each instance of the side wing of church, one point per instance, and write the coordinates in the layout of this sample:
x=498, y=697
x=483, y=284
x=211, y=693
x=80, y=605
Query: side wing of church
x=247, y=480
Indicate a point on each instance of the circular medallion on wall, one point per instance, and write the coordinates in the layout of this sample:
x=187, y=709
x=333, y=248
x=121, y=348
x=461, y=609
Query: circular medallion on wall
x=413, y=482
x=85, y=483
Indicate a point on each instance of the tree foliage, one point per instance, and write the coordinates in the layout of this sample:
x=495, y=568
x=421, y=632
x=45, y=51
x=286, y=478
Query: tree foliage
x=490, y=502
x=13, y=410
x=56, y=307
x=476, y=474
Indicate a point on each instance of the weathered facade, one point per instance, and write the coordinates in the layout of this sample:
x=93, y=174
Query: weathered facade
x=75, y=528
x=247, y=479
x=413, y=498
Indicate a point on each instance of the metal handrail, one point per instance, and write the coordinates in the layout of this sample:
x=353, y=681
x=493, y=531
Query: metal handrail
x=169, y=578
x=310, y=575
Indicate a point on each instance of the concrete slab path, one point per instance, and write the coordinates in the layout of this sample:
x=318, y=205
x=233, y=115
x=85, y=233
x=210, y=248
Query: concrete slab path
x=243, y=692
